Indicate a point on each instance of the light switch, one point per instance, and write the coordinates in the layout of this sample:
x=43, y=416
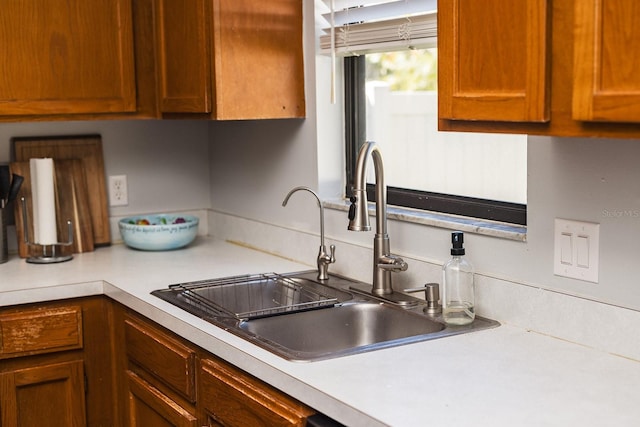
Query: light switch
x=566, y=251
x=582, y=251
x=576, y=249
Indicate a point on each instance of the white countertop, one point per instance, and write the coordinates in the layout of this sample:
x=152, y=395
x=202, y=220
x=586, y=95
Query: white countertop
x=499, y=377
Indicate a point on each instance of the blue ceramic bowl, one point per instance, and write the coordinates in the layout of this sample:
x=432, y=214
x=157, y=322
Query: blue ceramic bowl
x=162, y=233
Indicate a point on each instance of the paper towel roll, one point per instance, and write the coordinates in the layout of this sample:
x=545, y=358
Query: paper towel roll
x=44, y=204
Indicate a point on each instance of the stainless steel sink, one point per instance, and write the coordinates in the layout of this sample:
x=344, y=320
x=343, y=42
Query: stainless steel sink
x=345, y=329
x=301, y=318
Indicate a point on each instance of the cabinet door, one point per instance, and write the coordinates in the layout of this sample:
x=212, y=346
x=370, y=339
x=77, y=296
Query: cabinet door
x=231, y=398
x=149, y=407
x=48, y=395
x=257, y=58
x=493, y=60
x=66, y=57
x=183, y=56
x=607, y=82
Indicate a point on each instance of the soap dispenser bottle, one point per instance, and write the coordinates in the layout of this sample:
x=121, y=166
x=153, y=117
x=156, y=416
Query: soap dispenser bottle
x=458, y=290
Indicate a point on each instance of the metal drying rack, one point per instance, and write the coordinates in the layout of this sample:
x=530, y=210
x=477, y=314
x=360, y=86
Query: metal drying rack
x=252, y=296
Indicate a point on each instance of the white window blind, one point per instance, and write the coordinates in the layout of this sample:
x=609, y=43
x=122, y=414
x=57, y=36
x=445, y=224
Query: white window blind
x=354, y=27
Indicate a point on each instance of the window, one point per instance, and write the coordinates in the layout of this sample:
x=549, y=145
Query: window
x=391, y=98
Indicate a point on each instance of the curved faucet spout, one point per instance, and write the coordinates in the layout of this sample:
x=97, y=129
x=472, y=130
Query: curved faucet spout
x=360, y=221
x=293, y=190
x=324, y=258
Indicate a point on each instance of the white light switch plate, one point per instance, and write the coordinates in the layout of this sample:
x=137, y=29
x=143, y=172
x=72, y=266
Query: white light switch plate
x=576, y=249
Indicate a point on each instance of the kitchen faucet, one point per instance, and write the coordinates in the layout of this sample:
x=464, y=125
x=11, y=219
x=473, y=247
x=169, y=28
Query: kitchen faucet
x=383, y=262
x=324, y=259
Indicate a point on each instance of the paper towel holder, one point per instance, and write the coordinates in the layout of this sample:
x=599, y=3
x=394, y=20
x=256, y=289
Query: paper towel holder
x=47, y=257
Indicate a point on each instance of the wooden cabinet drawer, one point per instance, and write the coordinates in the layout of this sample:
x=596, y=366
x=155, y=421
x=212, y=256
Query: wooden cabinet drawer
x=168, y=360
x=41, y=330
x=232, y=398
x=149, y=407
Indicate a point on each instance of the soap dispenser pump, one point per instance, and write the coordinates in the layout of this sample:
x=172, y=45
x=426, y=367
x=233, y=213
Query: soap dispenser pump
x=458, y=290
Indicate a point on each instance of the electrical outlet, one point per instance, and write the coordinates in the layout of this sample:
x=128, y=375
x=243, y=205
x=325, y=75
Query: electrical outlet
x=576, y=249
x=118, y=195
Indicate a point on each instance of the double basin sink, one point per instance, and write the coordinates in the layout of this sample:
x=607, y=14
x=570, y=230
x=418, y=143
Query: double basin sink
x=301, y=318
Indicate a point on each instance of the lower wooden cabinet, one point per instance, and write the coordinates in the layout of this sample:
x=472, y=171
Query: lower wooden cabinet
x=231, y=398
x=159, y=370
x=55, y=364
x=165, y=359
x=92, y=362
x=45, y=395
x=149, y=407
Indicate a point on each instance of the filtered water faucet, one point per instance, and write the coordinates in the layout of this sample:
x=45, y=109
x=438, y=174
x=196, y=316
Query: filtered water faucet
x=324, y=258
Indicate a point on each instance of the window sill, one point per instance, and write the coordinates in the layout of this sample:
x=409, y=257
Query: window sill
x=434, y=219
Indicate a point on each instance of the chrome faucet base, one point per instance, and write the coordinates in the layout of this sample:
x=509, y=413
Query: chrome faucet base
x=394, y=297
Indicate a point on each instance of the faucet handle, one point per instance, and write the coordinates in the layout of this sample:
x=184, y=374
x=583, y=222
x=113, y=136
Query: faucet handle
x=324, y=259
x=392, y=263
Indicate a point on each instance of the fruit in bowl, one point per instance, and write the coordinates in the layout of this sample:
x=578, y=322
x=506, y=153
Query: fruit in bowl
x=161, y=232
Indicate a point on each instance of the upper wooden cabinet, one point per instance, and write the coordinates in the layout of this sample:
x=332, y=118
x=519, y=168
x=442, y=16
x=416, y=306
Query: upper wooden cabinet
x=494, y=57
x=562, y=67
x=183, y=52
x=216, y=59
x=230, y=59
x=606, y=84
x=64, y=57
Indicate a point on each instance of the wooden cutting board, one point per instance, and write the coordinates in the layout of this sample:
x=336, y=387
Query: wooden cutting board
x=72, y=203
x=87, y=148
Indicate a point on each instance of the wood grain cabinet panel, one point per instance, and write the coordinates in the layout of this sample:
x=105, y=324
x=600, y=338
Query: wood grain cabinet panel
x=540, y=67
x=56, y=365
x=607, y=82
x=231, y=398
x=155, y=373
x=166, y=359
x=183, y=49
x=149, y=407
x=47, y=395
x=494, y=60
x=63, y=57
x=40, y=330
x=231, y=59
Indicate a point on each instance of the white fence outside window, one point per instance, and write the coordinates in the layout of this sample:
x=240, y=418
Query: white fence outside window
x=417, y=156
